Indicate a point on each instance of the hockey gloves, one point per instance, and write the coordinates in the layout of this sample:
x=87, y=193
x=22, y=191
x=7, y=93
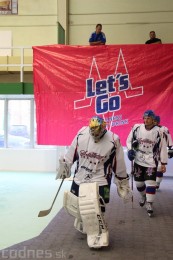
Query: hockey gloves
x=131, y=155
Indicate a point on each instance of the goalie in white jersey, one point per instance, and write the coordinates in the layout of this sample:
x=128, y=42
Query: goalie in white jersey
x=147, y=146
x=98, y=153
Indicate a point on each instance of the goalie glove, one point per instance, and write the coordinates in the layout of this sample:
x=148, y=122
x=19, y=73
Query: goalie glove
x=64, y=169
x=123, y=189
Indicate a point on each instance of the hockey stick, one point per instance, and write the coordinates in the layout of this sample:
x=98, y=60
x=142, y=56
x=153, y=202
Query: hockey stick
x=132, y=181
x=44, y=213
x=132, y=169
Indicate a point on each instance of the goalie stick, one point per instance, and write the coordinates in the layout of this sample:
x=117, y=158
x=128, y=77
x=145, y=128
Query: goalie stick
x=44, y=213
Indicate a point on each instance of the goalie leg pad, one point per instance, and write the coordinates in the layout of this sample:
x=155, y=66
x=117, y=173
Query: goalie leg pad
x=78, y=224
x=92, y=217
x=71, y=205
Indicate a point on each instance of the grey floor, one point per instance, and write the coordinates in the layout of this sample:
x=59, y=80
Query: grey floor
x=133, y=235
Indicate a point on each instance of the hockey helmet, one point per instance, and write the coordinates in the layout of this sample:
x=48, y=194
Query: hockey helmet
x=157, y=119
x=149, y=113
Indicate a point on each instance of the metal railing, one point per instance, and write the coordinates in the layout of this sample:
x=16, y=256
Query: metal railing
x=21, y=65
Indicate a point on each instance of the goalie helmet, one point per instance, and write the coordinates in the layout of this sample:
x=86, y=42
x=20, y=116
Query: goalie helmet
x=97, y=127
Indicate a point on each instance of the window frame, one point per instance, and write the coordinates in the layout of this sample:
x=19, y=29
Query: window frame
x=33, y=144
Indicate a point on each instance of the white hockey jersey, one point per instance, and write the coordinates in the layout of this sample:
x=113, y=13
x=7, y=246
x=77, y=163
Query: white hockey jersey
x=96, y=161
x=168, y=137
x=152, y=146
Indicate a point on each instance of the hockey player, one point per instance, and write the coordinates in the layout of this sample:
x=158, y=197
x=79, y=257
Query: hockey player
x=170, y=150
x=98, y=153
x=146, y=145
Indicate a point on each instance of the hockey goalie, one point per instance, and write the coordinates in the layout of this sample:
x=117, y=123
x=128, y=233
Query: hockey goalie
x=98, y=155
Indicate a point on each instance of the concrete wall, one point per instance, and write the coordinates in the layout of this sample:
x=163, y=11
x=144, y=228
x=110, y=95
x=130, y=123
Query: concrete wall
x=62, y=12
x=45, y=160
x=124, y=21
x=30, y=160
x=35, y=24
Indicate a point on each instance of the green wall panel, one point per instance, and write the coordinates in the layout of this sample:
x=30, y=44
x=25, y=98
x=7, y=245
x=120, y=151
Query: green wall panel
x=16, y=88
x=28, y=89
x=11, y=88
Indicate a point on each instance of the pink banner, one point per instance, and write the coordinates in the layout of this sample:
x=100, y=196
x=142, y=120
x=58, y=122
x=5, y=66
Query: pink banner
x=116, y=82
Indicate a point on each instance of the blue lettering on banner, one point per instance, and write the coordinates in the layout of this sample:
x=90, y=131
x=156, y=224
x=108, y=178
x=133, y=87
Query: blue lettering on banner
x=102, y=90
x=107, y=93
x=105, y=103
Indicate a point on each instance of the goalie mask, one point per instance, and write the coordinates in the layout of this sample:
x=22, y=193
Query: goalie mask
x=97, y=128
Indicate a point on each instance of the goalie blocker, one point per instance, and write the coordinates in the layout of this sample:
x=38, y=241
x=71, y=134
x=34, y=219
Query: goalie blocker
x=88, y=214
